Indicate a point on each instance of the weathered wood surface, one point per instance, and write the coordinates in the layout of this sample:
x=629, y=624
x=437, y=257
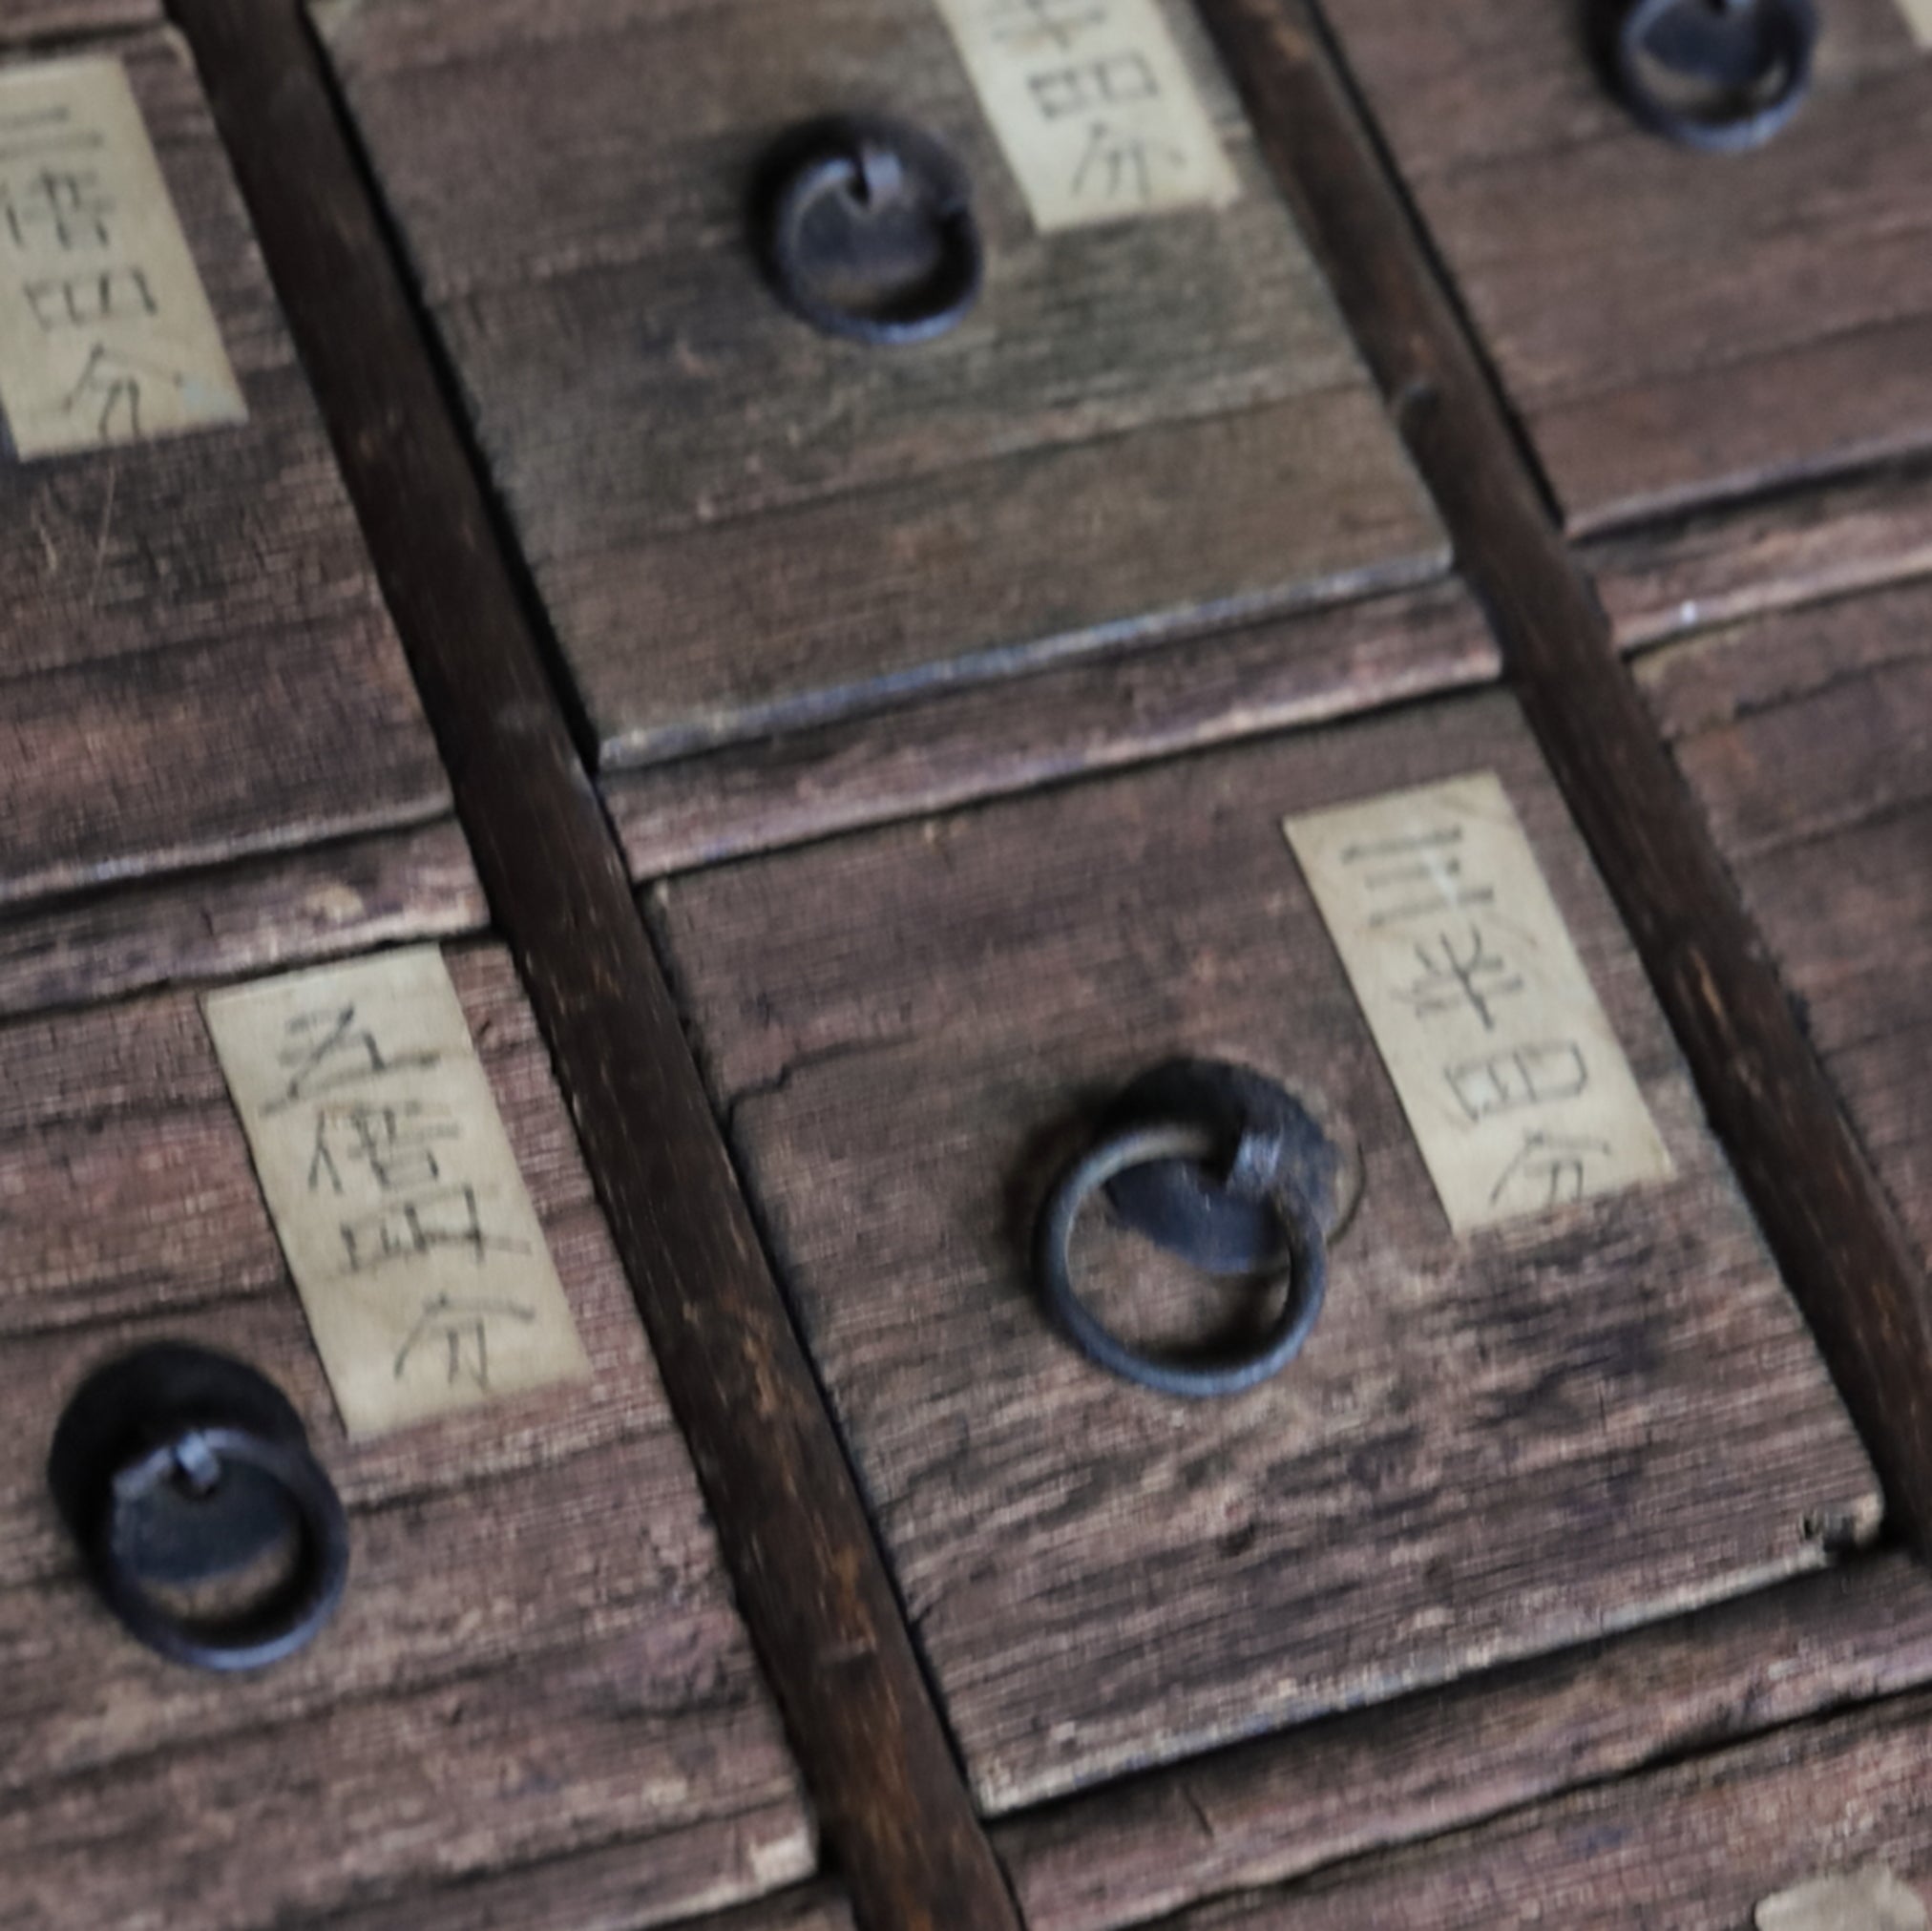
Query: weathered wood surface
x=1492, y=1447
x=1281, y=1807
x=255, y=915
x=1807, y=737
x=537, y=1655
x=736, y=522
x=1696, y=1848
x=1672, y=326
x=896, y=1817
x=196, y=661
x=1730, y=564
x=1835, y=1233
x=1078, y=717
x=51, y=21
x=598, y=1890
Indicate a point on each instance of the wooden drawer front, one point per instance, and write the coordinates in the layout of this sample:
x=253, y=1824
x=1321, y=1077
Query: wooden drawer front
x=1492, y=1446
x=1671, y=325
x=1697, y=1848
x=1808, y=738
x=738, y=523
x=197, y=662
x=535, y=1706
x=31, y=20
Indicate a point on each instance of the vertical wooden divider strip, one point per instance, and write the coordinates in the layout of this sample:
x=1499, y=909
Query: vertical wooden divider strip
x=1836, y=1235
x=895, y=1813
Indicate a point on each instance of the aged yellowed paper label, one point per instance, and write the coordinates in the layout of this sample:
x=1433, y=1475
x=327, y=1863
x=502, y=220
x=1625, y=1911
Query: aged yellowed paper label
x=1094, y=108
x=1518, y=1092
x=106, y=335
x=1919, y=18
x=1871, y=1900
x=418, y=1256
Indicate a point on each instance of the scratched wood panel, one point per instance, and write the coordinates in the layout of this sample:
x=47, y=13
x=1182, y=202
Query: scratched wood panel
x=255, y=915
x=1696, y=1848
x=1672, y=326
x=196, y=662
x=1280, y=1807
x=536, y=1659
x=1076, y=719
x=1492, y=1448
x=738, y=523
x=1807, y=737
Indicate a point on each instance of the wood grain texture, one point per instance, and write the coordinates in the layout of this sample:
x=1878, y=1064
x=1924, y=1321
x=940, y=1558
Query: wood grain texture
x=252, y=917
x=536, y=1656
x=197, y=662
x=1729, y=564
x=1280, y=1807
x=1847, y=1257
x=1671, y=326
x=736, y=522
x=1027, y=731
x=1492, y=1447
x=52, y=22
x=1807, y=737
x=597, y=1891
x=896, y=1817
x=1696, y=1848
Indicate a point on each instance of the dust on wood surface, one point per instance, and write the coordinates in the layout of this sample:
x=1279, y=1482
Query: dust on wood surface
x=537, y=1658
x=736, y=521
x=197, y=662
x=1671, y=325
x=1491, y=1447
x=1807, y=737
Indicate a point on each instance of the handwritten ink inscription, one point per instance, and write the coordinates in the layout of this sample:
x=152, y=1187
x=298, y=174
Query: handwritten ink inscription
x=106, y=335
x=1094, y=108
x=413, y=1241
x=1519, y=1094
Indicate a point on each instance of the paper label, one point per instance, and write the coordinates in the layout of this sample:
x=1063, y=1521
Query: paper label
x=1919, y=18
x=1515, y=1086
x=1872, y=1900
x=1093, y=106
x=106, y=335
x=419, y=1258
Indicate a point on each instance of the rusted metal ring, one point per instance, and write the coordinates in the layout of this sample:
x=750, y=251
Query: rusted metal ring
x=1220, y=1218
x=291, y=1615
x=1197, y=1378
x=1754, y=57
x=176, y=1467
x=867, y=230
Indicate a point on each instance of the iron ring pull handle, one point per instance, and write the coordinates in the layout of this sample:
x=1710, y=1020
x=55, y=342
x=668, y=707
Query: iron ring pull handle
x=1754, y=57
x=866, y=231
x=215, y=1451
x=1131, y=1147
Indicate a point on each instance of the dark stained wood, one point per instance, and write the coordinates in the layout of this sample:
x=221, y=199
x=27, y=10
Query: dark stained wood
x=538, y=1654
x=1836, y=1237
x=1078, y=717
x=1494, y=1446
x=1282, y=1807
x=894, y=1812
x=1729, y=564
x=197, y=662
x=251, y=916
x=1699, y=1846
x=1807, y=737
x=1671, y=326
x=737, y=523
